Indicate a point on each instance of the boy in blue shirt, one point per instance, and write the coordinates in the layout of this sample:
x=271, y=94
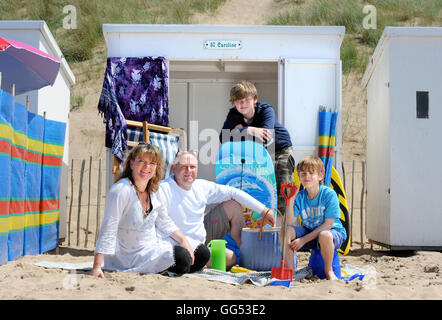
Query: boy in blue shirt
x=318, y=206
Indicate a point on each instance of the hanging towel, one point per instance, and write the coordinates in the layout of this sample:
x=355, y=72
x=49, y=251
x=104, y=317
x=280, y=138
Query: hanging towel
x=133, y=89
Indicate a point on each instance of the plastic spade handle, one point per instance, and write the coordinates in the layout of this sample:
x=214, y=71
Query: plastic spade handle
x=293, y=189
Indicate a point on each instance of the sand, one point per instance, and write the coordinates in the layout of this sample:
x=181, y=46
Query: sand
x=416, y=275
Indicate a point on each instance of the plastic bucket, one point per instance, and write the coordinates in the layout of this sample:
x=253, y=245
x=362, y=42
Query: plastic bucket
x=316, y=262
x=260, y=255
x=218, y=253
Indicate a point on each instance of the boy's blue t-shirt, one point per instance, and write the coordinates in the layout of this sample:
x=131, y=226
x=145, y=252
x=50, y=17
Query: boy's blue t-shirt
x=314, y=212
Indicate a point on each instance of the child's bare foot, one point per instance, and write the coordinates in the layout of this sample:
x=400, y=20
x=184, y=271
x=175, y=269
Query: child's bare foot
x=331, y=275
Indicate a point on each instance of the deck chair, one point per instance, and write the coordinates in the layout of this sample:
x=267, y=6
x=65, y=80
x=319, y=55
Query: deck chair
x=168, y=140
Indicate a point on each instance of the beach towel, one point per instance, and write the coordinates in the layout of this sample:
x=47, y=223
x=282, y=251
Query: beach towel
x=255, y=278
x=133, y=89
x=262, y=278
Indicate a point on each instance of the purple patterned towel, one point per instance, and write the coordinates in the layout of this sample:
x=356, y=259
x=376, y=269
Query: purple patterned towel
x=133, y=89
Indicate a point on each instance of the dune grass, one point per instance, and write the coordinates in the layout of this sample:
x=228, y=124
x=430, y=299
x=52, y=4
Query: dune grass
x=349, y=13
x=78, y=44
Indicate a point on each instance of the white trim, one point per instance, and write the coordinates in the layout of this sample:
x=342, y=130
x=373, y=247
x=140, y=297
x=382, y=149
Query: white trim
x=236, y=29
x=281, y=90
x=390, y=32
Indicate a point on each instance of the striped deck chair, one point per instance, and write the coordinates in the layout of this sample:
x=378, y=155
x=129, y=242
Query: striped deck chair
x=167, y=139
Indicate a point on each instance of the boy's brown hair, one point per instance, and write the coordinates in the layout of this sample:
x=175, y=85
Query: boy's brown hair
x=311, y=164
x=242, y=90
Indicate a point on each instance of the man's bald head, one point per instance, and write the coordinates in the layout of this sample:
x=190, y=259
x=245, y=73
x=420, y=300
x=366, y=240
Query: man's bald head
x=185, y=169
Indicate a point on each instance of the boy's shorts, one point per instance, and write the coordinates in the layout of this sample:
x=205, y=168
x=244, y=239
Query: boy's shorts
x=232, y=245
x=338, y=239
x=216, y=222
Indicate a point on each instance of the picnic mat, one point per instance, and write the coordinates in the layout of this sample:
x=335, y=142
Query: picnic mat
x=84, y=266
x=255, y=278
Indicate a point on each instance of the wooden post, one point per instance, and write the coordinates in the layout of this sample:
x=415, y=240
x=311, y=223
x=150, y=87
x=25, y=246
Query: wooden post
x=352, y=200
x=97, y=228
x=88, y=201
x=80, y=191
x=70, y=206
x=343, y=173
x=27, y=103
x=13, y=90
x=146, y=133
x=362, y=204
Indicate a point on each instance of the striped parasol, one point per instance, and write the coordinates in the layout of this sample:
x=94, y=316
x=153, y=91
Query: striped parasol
x=326, y=140
x=26, y=67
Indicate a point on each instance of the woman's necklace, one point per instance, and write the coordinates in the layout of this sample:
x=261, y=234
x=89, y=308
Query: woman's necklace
x=144, y=204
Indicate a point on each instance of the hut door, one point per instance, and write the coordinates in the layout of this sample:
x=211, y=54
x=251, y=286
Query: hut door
x=303, y=86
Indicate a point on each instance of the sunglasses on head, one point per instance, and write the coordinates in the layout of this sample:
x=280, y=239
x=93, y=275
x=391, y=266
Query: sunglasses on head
x=180, y=152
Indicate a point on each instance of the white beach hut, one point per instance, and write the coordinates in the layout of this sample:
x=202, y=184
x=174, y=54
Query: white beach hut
x=53, y=101
x=404, y=117
x=295, y=68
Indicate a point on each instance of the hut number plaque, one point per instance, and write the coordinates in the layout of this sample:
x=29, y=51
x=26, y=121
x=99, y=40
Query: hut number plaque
x=222, y=44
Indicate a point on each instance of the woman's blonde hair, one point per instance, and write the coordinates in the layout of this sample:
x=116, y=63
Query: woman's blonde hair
x=141, y=150
x=242, y=90
x=311, y=164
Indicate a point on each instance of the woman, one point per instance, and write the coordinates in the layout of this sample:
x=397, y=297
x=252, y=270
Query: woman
x=134, y=211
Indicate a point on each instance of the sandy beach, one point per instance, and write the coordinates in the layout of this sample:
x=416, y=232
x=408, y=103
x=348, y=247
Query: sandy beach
x=396, y=275
x=411, y=276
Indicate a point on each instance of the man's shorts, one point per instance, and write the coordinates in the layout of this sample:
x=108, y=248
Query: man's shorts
x=338, y=239
x=216, y=222
x=218, y=227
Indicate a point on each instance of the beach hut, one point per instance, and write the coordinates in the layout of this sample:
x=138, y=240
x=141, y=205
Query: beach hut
x=404, y=115
x=52, y=101
x=295, y=68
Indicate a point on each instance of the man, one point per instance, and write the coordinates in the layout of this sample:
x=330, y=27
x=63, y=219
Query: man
x=204, y=210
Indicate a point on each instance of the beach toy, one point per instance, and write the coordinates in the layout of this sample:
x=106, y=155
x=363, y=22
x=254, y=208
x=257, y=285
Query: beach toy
x=316, y=262
x=248, y=166
x=238, y=269
x=282, y=283
x=260, y=255
x=218, y=252
x=283, y=273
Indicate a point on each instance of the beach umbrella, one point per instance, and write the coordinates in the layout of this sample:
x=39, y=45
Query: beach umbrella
x=326, y=141
x=26, y=67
